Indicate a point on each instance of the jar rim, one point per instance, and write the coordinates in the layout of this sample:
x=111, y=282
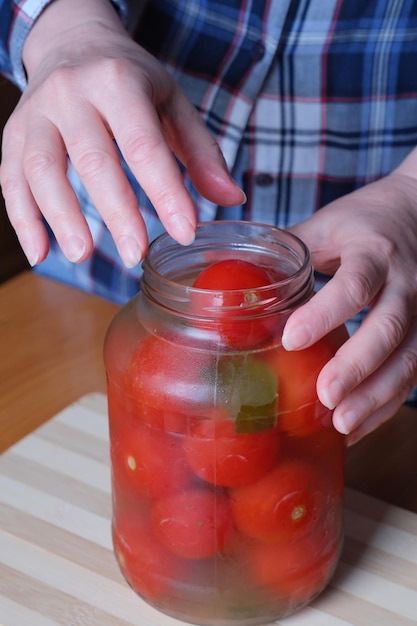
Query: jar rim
x=231, y=225
x=236, y=239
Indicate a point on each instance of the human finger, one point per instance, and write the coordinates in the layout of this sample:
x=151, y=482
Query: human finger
x=379, y=417
x=355, y=284
x=197, y=149
x=149, y=153
x=380, y=395
x=382, y=331
x=45, y=166
x=141, y=140
x=21, y=207
x=95, y=158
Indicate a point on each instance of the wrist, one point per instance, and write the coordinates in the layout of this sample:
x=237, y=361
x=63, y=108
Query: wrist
x=63, y=18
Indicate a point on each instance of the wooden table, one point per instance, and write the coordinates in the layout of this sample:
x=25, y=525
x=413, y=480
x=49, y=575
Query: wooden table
x=56, y=560
x=51, y=340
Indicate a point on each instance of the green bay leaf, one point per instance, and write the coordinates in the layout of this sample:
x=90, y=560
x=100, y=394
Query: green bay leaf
x=248, y=389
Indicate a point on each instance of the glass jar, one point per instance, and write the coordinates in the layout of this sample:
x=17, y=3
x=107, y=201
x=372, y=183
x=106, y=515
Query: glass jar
x=227, y=474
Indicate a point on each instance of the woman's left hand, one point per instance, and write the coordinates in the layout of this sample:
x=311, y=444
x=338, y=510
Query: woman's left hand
x=368, y=241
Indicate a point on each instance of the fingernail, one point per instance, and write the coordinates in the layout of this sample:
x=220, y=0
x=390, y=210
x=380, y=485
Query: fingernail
x=32, y=254
x=347, y=422
x=297, y=338
x=33, y=260
x=181, y=229
x=74, y=248
x=130, y=251
x=244, y=196
x=332, y=394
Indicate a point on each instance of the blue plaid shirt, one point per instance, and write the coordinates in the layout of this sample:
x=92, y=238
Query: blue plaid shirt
x=308, y=99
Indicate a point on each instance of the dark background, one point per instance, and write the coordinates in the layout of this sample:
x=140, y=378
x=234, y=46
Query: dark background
x=12, y=259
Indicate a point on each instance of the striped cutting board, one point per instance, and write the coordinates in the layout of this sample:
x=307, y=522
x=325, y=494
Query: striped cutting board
x=56, y=561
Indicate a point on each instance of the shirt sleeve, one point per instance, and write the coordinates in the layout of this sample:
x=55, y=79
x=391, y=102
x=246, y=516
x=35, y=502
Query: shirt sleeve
x=16, y=20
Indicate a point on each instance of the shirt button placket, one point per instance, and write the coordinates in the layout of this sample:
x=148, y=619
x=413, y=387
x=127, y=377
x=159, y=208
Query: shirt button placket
x=263, y=180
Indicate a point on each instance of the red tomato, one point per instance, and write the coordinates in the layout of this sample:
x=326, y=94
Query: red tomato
x=165, y=382
x=221, y=456
x=299, y=570
x=126, y=413
x=232, y=274
x=149, y=461
x=325, y=449
x=232, y=285
x=300, y=411
x=283, y=505
x=147, y=565
x=194, y=524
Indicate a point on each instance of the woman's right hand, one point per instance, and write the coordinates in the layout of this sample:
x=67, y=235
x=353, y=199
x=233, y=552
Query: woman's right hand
x=89, y=86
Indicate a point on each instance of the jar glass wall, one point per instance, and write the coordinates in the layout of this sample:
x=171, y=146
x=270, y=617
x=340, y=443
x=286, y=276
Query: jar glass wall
x=227, y=473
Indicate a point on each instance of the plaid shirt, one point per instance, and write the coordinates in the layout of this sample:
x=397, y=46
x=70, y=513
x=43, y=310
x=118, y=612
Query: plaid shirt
x=309, y=100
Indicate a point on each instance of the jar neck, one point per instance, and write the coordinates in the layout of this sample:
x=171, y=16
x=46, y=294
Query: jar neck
x=170, y=269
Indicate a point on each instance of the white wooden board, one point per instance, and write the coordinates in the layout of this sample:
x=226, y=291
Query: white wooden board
x=56, y=561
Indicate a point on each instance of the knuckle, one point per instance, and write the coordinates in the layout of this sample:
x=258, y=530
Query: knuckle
x=387, y=248
x=21, y=224
x=358, y=372
x=7, y=181
x=115, y=72
x=167, y=197
x=406, y=391
x=90, y=163
x=141, y=148
x=359, y=288
x=61, y=82
x=10, y=185
x=10, y=131
x=355, y=370
x=409, y=365
x=37, y=165
x=115, y=69
x=372, y=403
x=116, y=222
x=392, y=329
